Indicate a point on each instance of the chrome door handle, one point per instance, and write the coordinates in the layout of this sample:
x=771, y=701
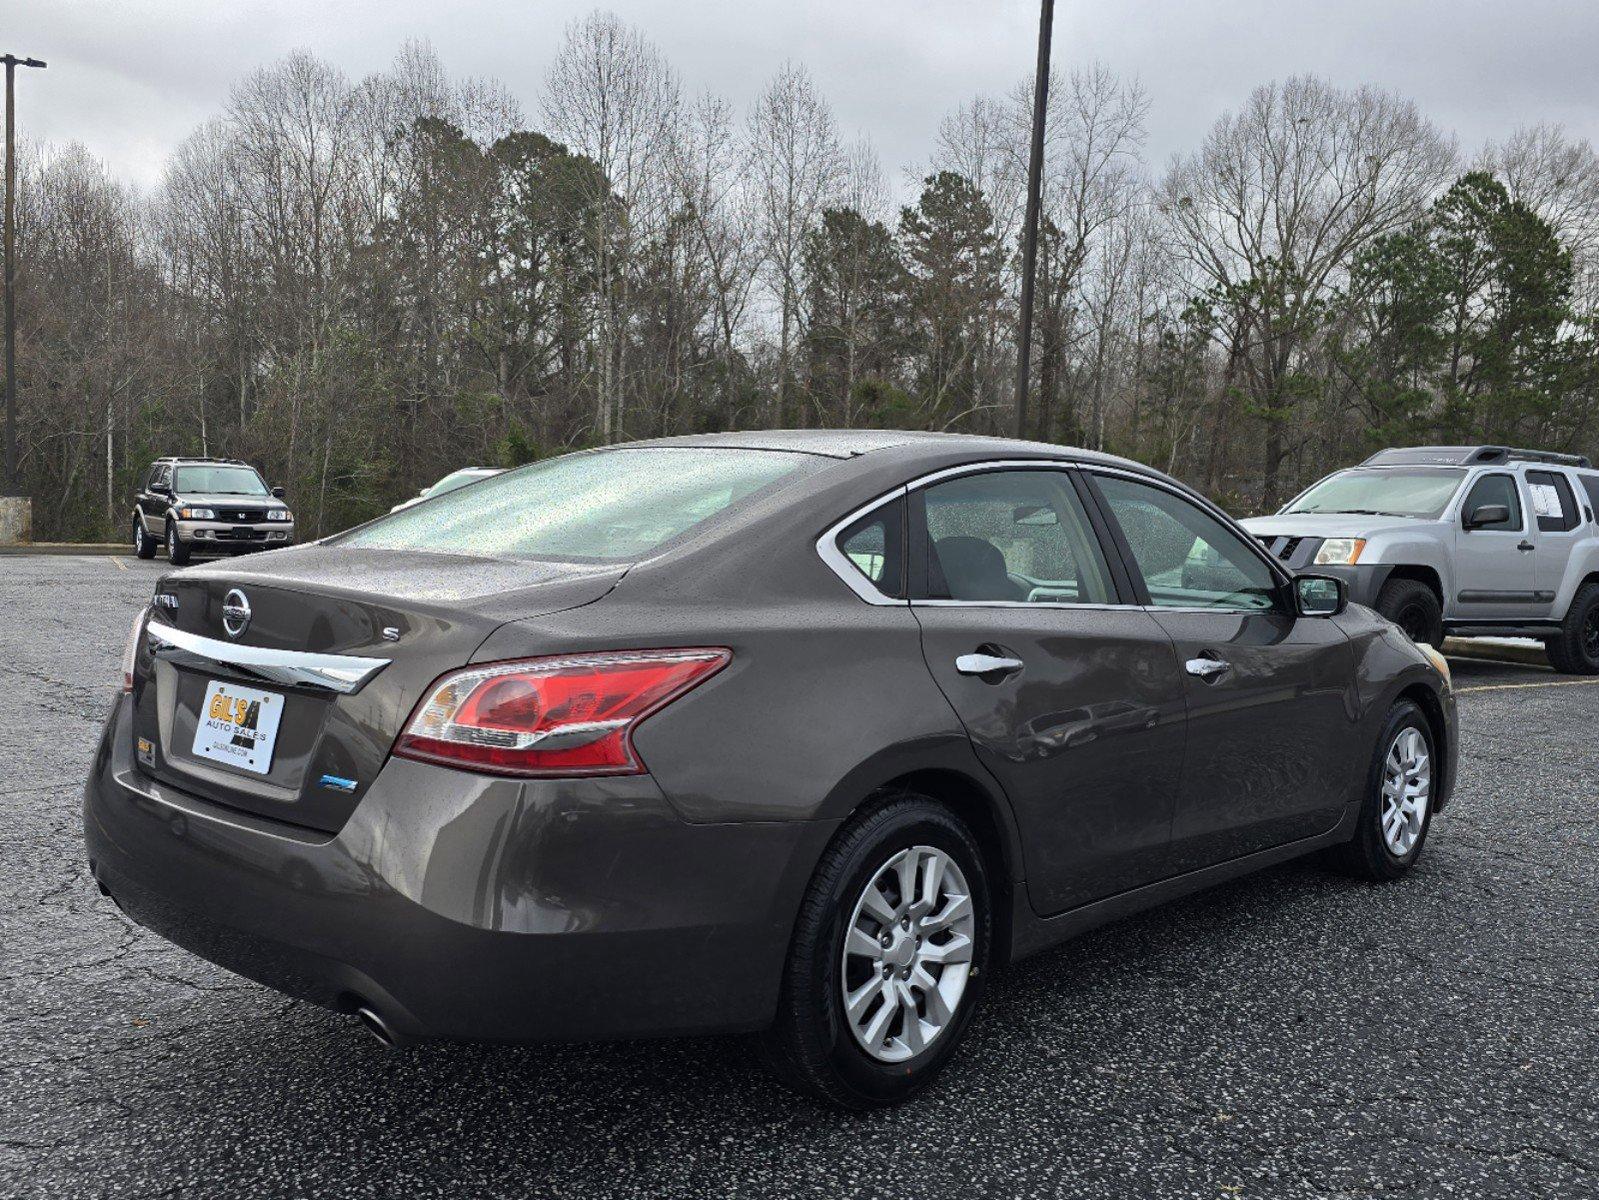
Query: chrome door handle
x=987, y=664
x=1206, y=667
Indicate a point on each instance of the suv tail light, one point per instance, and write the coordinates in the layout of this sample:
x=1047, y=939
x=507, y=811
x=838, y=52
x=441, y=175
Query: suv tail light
x=569, y=715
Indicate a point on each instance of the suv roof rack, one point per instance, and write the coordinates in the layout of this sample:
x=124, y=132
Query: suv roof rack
x=1469, y=456
x=200, y=458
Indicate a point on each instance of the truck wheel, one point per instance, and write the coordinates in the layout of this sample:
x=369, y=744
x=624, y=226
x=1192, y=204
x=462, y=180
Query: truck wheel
x=143, y=543
x=178, y=550
x=1411, y=605
x=1575, y=649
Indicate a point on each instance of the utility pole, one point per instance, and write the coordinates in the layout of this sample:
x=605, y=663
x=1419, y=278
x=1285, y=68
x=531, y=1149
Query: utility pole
x=1035, y=187
x=12, y=62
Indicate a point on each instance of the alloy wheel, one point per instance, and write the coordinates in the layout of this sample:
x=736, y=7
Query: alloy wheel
x=1590, y=634
x=138, y=535
x=1406, y=790
x=907, y=954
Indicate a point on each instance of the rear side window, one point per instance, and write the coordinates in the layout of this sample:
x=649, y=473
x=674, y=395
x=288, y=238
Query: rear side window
x=1019, y=536
x=608, y=505
x=1590, y=484
x=1552, y=501
x=1495, y=489
x=875, y=546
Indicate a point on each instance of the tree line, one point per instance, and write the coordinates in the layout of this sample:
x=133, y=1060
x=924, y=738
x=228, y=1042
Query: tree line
x=361, y=285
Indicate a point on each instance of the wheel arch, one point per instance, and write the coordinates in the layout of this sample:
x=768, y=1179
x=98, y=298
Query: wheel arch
x=985, y=816
x=957, y=781
x=1422, y=574
x=1424, y=698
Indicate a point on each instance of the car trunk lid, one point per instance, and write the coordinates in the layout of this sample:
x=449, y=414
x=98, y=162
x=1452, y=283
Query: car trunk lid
x=336, y=650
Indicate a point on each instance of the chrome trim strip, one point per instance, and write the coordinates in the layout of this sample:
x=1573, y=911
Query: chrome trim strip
x=838, y=562
x=1028, y=604
x=827, y=548
x=1032, y=604
x=343, y=673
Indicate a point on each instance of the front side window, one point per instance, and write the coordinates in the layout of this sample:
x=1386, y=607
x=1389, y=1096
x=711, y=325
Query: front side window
x=1552, y=500
x=219, y=481
x=1421, y=492
x=1494, y=489
x=1186, y=557
x=1020, y=536
x=608, y=505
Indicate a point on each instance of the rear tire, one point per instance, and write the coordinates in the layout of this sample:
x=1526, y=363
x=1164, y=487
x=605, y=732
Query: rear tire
x=1575, y=649
x=816, y=1046
x=1401, y=790
x=143, y=543
x=1413, y=606
x=178, y=550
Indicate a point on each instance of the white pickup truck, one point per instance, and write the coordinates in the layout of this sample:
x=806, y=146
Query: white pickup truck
x=1460, y=541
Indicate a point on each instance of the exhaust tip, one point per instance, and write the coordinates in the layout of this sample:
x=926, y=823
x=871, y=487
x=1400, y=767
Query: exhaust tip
x=372, y=1021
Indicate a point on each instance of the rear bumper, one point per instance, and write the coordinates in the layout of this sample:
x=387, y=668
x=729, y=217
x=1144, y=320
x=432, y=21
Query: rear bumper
x=460, y=906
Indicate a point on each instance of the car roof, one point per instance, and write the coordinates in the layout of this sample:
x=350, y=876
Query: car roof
x=854, y=443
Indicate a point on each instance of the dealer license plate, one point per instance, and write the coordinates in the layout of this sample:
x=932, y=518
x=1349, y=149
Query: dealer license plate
x=238, y=726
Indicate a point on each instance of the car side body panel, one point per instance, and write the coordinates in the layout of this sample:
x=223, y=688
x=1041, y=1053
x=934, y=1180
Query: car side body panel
x=465, y=905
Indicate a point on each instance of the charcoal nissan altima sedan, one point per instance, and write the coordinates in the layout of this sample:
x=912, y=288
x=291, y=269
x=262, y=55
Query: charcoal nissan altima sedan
x=798, y=732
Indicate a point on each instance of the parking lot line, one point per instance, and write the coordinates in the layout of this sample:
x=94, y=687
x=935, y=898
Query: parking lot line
x=1508, y=687
x=120, y=565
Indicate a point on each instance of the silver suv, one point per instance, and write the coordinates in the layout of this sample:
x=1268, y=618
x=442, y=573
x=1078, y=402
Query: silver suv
x=1458, y=540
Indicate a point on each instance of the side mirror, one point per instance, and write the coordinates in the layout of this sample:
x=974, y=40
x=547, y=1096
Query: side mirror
x=279, y=492
x=1320, y=596
x=1488, y=514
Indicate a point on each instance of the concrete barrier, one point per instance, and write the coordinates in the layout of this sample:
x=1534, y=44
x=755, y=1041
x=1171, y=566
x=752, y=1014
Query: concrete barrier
x=16, y=520
x=1505, y=650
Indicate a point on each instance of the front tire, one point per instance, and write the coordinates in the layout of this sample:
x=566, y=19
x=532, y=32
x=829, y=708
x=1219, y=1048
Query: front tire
x=1401, y=788
x=143, y=543
x=888, y=959
x=1413, y=606
x=1575, y=649
x=178, y=550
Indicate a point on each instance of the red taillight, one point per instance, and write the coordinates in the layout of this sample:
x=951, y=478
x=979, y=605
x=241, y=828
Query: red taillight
x=572, y=715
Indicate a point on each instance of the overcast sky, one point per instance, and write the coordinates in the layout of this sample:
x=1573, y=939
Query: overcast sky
x=129, y=78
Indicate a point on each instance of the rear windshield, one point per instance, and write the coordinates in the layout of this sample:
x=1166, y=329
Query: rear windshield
x=609, y=505
x=1421, y=492
x=220, y=481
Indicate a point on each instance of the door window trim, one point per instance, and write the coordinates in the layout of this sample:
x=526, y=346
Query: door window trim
x=1116, y=556
x=839, y=563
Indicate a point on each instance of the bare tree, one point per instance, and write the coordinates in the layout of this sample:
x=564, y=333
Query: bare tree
x=1272, y=209
x=611, y=96
x=798, y=169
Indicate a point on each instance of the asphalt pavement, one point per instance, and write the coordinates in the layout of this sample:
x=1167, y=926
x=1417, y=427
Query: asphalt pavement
x=1292, y=1034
